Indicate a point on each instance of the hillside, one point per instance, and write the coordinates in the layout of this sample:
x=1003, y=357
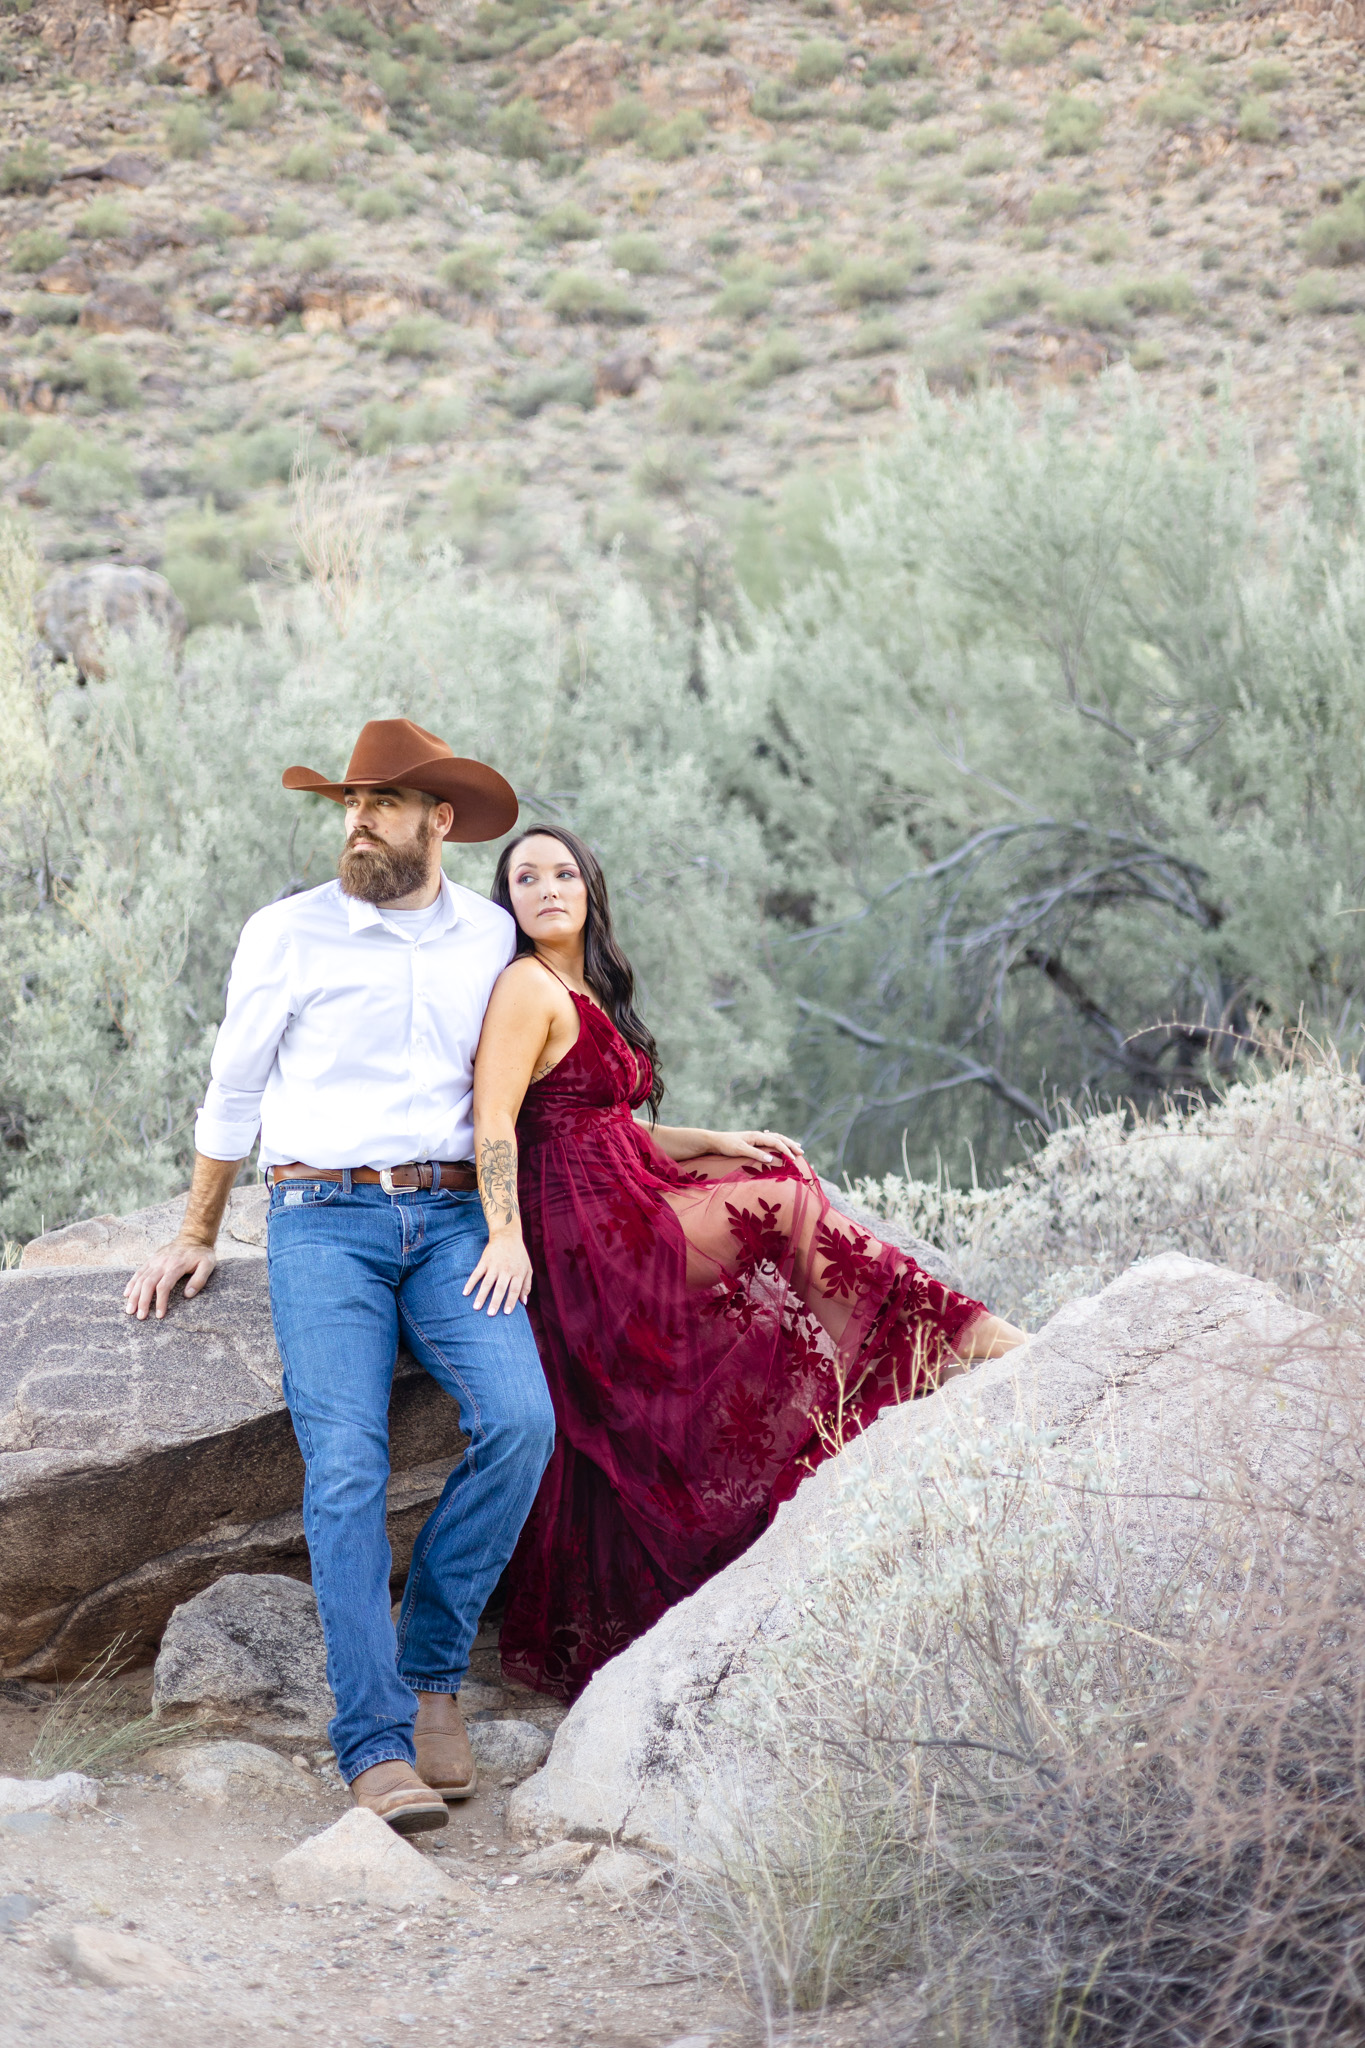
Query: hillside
x=539, y=276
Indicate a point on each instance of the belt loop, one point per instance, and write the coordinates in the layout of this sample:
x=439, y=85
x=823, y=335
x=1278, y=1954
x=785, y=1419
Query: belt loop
x=436, y=1176
x=345, y=1180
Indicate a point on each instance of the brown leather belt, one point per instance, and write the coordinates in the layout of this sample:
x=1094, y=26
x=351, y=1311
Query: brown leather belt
x=457, y=1174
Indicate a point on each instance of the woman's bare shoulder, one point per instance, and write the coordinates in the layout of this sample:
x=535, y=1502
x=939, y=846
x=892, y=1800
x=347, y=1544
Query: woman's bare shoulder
x=524, y=985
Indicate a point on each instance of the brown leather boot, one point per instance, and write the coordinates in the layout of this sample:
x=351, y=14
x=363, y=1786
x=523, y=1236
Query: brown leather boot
x=444, y=1756
x=396, y=1793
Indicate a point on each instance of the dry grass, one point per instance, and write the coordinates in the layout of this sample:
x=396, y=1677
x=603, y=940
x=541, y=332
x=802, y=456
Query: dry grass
x=94, y=1725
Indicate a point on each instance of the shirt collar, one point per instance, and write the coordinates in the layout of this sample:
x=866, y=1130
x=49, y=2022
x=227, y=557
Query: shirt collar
x=361, y=916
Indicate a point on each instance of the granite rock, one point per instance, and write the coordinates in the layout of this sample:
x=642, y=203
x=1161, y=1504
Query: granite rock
x=222, y=1771
x=68, y=1792
x=360, y=1861
x=79, y=608
x=248, y=1648
x=101, y=1955
x=508, y=1749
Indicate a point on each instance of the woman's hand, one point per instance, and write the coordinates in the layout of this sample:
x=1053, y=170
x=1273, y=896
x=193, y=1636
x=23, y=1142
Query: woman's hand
x=762, y=1148
x=503, y=1274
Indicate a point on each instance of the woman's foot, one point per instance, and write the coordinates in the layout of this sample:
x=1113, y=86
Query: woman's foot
x=399, y=1796
x=444, y=1756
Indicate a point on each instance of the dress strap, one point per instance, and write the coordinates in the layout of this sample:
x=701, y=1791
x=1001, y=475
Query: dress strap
x=558, y=977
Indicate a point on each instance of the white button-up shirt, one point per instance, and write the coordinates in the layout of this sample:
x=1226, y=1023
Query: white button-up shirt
x=347, y=1042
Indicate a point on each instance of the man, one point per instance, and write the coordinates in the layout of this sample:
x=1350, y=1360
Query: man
x=353, y=1014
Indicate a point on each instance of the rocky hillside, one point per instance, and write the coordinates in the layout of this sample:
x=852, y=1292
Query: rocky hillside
x=533, y=275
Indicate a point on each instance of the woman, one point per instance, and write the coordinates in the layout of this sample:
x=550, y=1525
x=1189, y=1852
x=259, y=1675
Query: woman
x=709, y=1325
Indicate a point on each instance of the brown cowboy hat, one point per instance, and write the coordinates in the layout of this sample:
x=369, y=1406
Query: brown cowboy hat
x=393, y=753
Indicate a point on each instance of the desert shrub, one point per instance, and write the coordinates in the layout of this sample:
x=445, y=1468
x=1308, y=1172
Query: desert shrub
x=1270, y=74
x=1171, y=294
x=1055, y=202
x=622, y=121
x=779, y=355
x=1001, y=114
x=214, y=560
x=877, y=335
x=902, y=60
x=34, y=248
x=51, y=309
x=349, y=25
x=312, y=163
x=984, y=158
x=29, y=168
x=866, y=279
x=1338, y=236
x=104, y=219
x=640, y=254
x=776, y=99
x=568, y=384
x=1175, y=105
x=818, y=62
x=931, y=140
x=689, y=406
x=189, y=133
x=569, y=222
x=1326, y=291
x=681, y=135
x=1257, y=120
x=423, y=336
x=290, y=220
x=575, y=295
x=822, y=260
x=317, y=252
x=1064, y=26
x=248, y=106
x=379, y=203
x=1028, y=46
x=76, y=474
x=103, y=373
x=219, y=225
x=1147, y=355
x=1087, y=66
x=743, y=298
x=263, y=455
x=520, y=130
x=1006, y=299
x=875, y=109
x=384, y=425
x=473, y=268
x=1071, y=126
x=1104, y=308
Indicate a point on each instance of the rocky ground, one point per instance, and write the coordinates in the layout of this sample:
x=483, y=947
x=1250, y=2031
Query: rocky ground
x=535, y=277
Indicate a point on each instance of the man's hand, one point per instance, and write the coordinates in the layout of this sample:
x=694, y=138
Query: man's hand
x=179, y=1260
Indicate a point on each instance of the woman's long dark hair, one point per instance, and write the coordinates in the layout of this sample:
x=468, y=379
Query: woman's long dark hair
x=606, y=969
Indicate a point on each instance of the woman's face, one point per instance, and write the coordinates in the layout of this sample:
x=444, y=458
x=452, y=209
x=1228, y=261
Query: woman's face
x=549, y=895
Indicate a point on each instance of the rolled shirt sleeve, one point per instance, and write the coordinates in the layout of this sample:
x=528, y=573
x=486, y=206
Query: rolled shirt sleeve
x=256, y=1019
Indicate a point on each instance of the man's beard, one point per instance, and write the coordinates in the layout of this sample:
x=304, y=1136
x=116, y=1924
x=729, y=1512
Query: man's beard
x=377, y=873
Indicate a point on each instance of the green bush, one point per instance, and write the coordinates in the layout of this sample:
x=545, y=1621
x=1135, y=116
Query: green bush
x=931, y=140
x=289, y=221
x=311, y=163
x=349, y=25
x=1056, y=21
x=574, y=295
x=211, y=558
x=219, y=225
x=104, y=219
x=640, y=254
x=421, y=335
x=1257, y=120
x=818, y=62
x=1006, y=299
x=472, y=268
x=519, y=130
x=79, y=475
x=1087, y=65
x=247, y=106
x=877, y=335
x=1323, y=291
x=902, y=60
x=384, y=425
x=103, y=373
x=377, y=204
x=669, y=141
x=51, y=309
x=690, y=407
x=1176, y=105
x=622, y=121
x=28, y=169
x=317, y=252
x=1055, y=202
x=1148, y=355
x=985, y=158
x=1028, y=46
x=875, y=109
x=779, y=356
x=568, y=222
x=1071, y=126
x=1338, y=236
x=189, y=133
x=34, y=249
x=569, y=384
x=1173, y=294
x=743, y=298
x=1104, y=308
x=822, y=260
x=1001, y=114
x=867, y=279
x=1270, y=74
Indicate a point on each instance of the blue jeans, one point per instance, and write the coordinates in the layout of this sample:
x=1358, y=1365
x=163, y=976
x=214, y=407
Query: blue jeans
x=351, y=1267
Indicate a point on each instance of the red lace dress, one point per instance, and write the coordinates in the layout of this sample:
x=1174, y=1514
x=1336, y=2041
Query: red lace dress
x=709, y=1334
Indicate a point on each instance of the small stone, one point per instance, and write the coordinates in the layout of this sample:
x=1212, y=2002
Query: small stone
x=616, y=1875
x=360, y=1861
x=68, y=1792
x=26, y=1823
x=229, y=1770
x=558, y=1859
x=508, y=1749
x=15, y=1908
x=119, y=1961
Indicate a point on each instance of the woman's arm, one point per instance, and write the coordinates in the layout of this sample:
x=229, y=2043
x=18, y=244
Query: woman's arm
x=760, y=1148
x=988, y=1336
x=516, y=1030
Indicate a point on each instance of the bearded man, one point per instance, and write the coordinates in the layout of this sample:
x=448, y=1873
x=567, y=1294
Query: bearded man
x=353, y=1014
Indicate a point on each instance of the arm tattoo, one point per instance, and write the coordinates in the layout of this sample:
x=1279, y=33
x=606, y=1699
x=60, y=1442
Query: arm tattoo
x=498, y=1180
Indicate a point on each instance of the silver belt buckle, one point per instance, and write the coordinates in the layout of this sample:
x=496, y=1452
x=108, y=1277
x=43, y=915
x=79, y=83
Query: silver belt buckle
x=386, y=1181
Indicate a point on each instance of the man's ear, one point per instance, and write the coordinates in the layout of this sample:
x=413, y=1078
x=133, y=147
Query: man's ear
x=442, y=818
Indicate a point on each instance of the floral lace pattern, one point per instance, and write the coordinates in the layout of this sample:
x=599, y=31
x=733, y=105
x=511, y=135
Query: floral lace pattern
x=709, y=1335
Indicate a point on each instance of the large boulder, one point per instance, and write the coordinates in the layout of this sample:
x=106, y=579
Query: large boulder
x=142, y=1461
x=128, y=1240
x=78, y=610
x=1181, y=1369
x=248, y=1648
x=210, y=44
